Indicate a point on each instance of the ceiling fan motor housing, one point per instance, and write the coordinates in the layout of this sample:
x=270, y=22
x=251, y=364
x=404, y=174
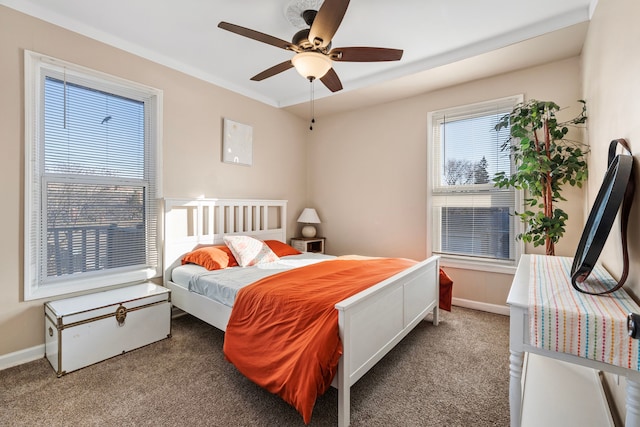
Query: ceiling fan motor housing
x=301, y=38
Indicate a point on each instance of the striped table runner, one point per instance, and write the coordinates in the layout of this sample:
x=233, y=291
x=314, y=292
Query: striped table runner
x=564, y=320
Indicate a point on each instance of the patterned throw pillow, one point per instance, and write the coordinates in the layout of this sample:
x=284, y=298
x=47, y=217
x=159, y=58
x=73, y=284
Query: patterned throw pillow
x=249, y=251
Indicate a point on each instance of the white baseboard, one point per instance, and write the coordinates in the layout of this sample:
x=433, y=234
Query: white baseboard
x=21, y=356
x=482, y=306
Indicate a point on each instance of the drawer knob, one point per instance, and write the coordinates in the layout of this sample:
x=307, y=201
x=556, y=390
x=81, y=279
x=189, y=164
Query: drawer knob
x=50, y=331
x=121, y=315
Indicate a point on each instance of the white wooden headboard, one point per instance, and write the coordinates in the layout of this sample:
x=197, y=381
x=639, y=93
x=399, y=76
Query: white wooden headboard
x=189, y=223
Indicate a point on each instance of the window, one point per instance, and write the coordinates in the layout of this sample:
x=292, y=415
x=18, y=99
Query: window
x=91, y=185
x=471, y=220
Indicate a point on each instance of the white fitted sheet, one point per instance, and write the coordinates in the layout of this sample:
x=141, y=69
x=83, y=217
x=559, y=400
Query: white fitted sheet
x=223, y=285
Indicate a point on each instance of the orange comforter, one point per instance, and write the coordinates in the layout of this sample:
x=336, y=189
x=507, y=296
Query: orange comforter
x=283, y=330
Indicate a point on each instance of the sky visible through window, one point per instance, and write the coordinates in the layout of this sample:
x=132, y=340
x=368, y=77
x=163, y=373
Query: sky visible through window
x=471, y=139
x=95, y=133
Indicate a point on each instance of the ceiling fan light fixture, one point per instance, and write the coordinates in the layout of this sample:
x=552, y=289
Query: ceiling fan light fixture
x=311, y=65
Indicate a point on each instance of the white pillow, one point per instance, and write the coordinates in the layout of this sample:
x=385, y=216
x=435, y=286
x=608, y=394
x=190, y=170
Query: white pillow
x=249, y=251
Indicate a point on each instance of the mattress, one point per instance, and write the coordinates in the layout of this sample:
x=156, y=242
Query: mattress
x=223, y=285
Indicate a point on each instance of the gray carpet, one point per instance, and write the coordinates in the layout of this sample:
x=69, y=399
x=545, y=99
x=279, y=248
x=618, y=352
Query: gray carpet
x=455, y=374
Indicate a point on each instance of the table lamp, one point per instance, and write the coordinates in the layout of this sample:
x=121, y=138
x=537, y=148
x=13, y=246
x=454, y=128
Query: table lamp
x=309, y=216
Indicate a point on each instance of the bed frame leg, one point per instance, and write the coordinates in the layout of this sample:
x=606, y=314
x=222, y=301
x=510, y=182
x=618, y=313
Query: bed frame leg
x=344, y=391
x=344, y=406
x=436, y=315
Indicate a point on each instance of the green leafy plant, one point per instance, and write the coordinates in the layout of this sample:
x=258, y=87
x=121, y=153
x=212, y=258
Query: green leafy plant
x=544, y=162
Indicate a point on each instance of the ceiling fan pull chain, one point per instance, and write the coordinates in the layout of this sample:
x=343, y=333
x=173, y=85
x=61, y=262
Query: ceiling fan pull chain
x=311, y=104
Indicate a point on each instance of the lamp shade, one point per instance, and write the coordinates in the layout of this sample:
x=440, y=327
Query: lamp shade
x=311, y=65
x=309, y=216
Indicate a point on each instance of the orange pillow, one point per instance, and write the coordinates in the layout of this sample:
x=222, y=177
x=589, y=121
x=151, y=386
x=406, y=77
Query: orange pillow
x=233, y=262
x=281, y=249
x=209, y=257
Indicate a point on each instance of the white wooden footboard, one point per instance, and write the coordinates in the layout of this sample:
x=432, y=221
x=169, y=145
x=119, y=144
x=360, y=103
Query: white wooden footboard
x=372, y=322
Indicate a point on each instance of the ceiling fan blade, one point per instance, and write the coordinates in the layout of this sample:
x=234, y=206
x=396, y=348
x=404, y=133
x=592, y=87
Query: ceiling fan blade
x=327, y=21
x=365, y=54
x=276, y=69
x=257, y=35
x=331, y=80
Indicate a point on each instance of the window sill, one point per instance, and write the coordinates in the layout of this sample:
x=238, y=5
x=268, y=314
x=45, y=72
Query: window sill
x=477, y=265
x=83, y=284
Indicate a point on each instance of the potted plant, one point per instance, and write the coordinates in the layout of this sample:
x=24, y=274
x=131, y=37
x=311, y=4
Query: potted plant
x=545, y=160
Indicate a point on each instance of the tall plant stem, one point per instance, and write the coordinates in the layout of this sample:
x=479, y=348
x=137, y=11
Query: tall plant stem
x=548, y=195
x=547, y=199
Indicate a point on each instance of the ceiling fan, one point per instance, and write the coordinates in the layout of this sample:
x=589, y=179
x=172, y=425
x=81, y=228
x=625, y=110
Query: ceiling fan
x=312, y=46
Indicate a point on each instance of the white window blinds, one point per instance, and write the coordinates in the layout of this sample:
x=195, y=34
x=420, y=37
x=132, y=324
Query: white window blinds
x=471, y=217
x=92, y=172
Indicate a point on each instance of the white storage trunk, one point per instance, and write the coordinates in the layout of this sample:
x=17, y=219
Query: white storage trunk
x=84, y=330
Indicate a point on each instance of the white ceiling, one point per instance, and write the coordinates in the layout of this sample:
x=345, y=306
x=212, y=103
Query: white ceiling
x=444, y=41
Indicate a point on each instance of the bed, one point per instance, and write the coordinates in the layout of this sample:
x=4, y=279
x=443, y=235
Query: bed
x=370, y=323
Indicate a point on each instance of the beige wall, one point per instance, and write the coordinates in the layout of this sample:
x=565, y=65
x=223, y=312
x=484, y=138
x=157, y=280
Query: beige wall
x=368, y=172
x=611, y=68
x=365, y=171
x=611, y=64
x=193, y=111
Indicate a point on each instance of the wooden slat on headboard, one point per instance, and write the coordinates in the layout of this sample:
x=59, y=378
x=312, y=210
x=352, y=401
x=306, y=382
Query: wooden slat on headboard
x=189, y=223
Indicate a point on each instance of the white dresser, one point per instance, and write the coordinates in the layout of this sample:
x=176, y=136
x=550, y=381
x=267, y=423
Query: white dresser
x=564, y=387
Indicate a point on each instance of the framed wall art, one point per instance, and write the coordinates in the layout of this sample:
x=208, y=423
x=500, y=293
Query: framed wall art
x=237, y=143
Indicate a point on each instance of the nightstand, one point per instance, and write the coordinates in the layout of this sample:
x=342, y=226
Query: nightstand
x=308, y=244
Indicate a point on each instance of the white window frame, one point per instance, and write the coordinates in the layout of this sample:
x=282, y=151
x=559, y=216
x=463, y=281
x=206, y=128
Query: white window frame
x=37, y=66
x=462, y=261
